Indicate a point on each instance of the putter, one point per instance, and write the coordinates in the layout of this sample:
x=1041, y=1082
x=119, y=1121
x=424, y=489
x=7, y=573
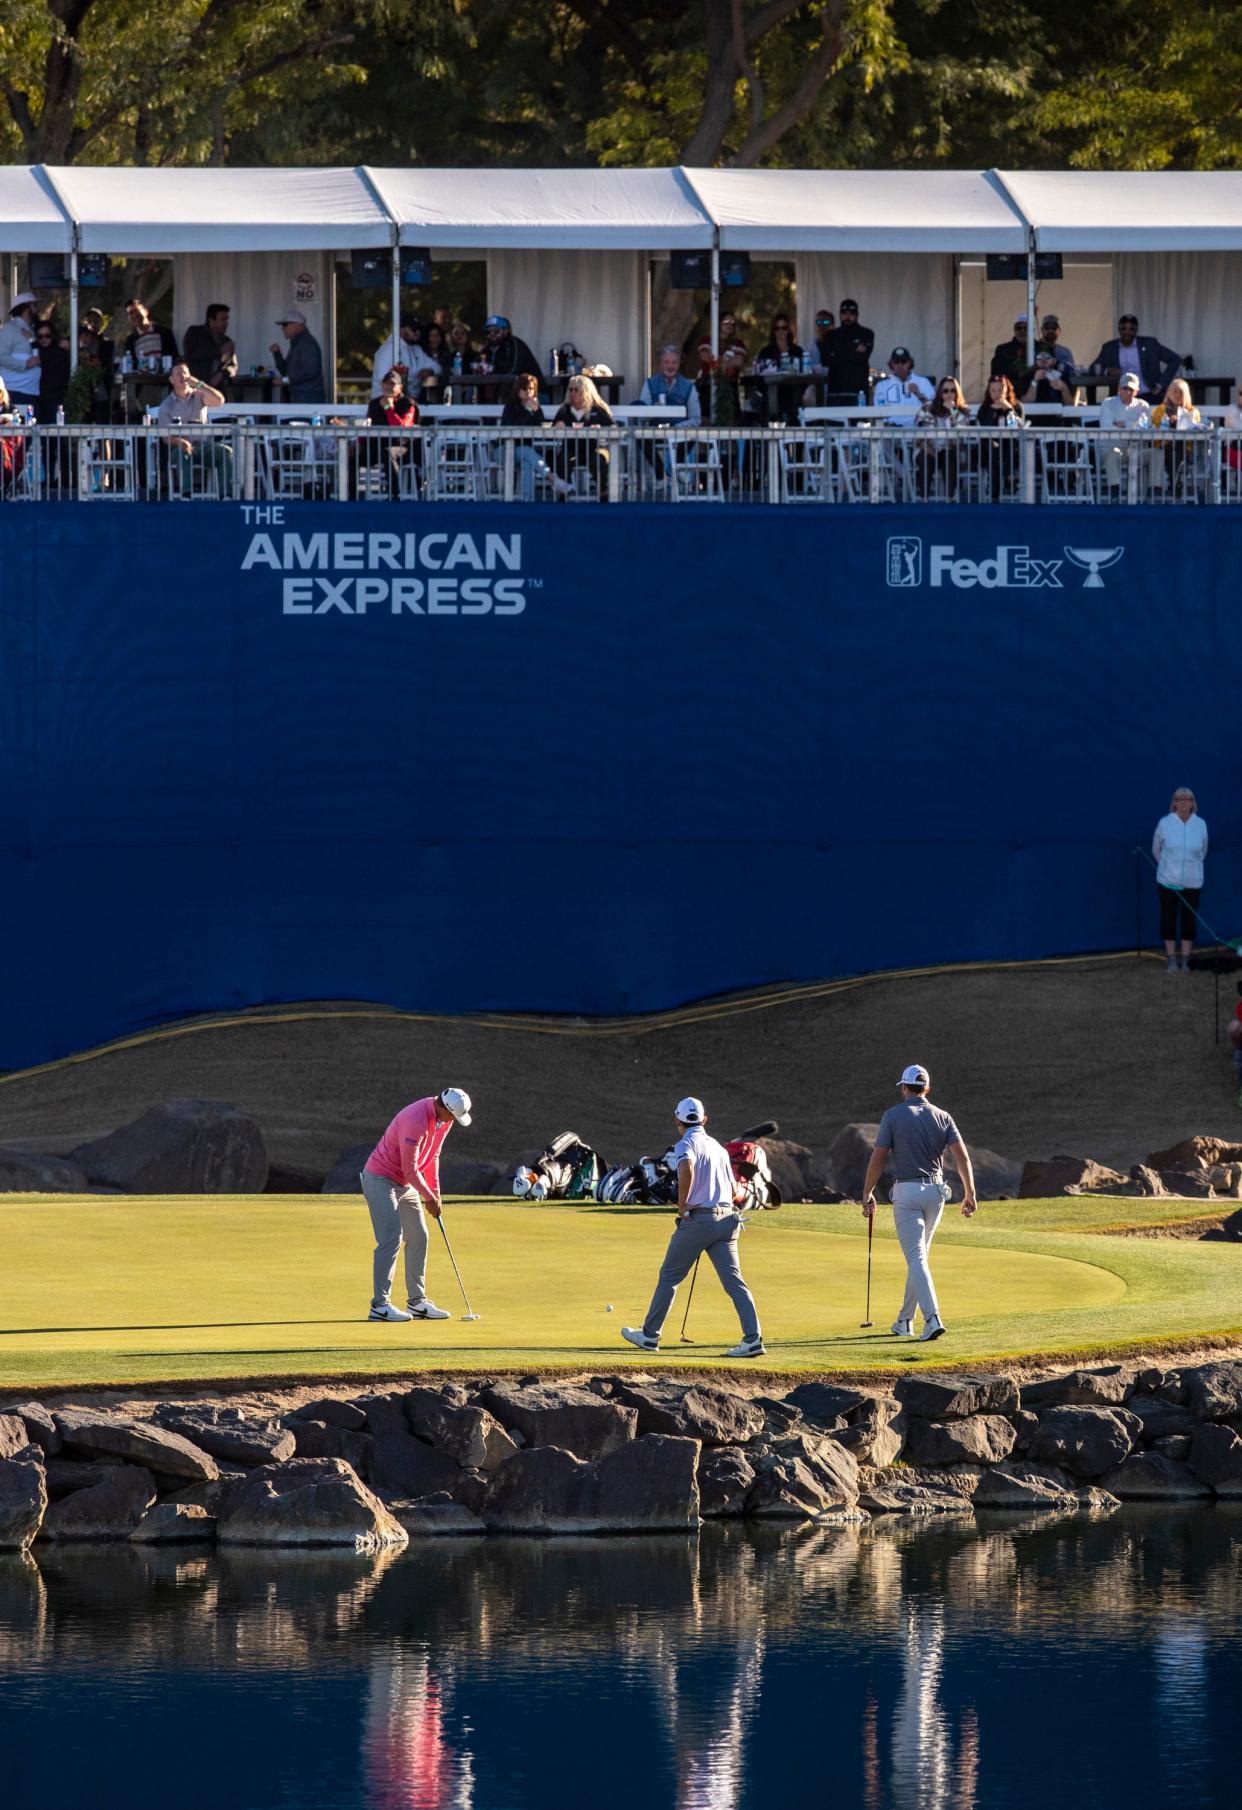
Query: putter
x=870, y=1229
x=469, y=1314
x=685, y=1318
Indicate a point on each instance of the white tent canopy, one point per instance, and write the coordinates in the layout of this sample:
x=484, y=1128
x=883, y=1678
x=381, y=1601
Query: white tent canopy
x=30, y=216
x=553, y=210
x=858, y=210
x=149, y=211
x=1128, y=210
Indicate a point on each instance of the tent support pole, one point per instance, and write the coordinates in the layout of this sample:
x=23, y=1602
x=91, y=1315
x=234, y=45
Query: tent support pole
x=396, y=295
x=1030, y=297
x=715, y=329
x=73, y=309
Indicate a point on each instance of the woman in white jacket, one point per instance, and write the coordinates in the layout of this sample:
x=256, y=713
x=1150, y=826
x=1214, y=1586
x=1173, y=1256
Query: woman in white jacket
x=1180, y=847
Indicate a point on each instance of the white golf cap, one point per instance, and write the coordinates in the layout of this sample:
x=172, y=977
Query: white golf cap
x=291, y=314
x=1129, y=381
x=691, y=1111
x=19, y=301
x=458, y=1103
x=914, y=1076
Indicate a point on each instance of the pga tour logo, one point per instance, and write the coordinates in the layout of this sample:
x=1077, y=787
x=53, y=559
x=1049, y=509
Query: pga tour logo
x=1010, y=568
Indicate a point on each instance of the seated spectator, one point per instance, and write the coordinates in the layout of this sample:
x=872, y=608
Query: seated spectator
x=849, y=348
x=1231, y=424
x=462, y=354
x=94, y=349
x=947, y=410
x=1000, y=408
x=19, y=360
x=1010, y=359
x=146, y=339
x=1050, y=341
x=1125, y=410
x=391, y=408
x=782, y=351
x=53, y=373
x=667, y=387
x=12, y=445
x=505, y=354
x=402, y=351
x=208, y=350
x=523, y=409
x=584, y=408
x=948, y=407
x=1153, y=364
x=186, y=405
x=1049, y=382
x=1177, y=410
x=903, y=385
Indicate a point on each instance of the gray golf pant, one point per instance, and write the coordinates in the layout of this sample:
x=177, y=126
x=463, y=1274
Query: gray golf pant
x=716, y=1234
x=917, y=1207
x=397, y=1216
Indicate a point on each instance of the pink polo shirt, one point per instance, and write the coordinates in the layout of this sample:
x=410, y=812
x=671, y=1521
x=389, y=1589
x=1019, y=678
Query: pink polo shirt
x=409, y=1151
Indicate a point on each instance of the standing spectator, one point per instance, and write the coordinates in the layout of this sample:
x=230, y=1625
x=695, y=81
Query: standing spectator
x=782, y=350
x=401, y=351
x=729, y=335
x=1050, y=341
x=302, y=365
x=1153, y=364
x=903, y=385
x=825, y=321
x=436, y=348
x=1180, y=847
x=19, y=359
x=523, y=409
x=506, y=354
x=462, y=354
x=667, y=386
x=146, y=339
x=53, y=373
x=1000, y=408
x=94, y=350
x=1010, y=359
x=849, y=348
x=443, y=318
x=209, y=352
x=582, y=409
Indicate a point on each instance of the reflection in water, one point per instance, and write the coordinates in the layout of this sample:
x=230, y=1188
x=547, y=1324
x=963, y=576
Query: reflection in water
x=853, y=1666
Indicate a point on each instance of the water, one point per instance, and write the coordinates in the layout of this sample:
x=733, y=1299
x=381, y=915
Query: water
x=1077, y=1662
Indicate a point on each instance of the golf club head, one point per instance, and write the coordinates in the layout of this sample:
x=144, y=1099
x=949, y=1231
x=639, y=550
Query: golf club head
x=472, y=1316
x=866, y=1323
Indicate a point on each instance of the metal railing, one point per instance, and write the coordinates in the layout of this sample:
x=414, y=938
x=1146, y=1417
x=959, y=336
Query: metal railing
x=830, y=463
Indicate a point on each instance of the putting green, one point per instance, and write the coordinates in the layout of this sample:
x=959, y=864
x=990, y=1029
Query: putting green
x=154, y=1289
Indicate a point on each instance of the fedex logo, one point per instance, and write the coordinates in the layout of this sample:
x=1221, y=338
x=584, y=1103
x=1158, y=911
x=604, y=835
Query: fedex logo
x=1011, y=569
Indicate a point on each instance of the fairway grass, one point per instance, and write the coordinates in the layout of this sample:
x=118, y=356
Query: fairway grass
x=153, y=1290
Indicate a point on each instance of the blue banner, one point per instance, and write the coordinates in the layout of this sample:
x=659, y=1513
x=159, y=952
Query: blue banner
x=586, y=760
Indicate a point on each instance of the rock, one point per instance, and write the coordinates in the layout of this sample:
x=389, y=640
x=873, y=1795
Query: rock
x=13, y=1435
x=877, y=1434
x=785, y=1488
x=435, y=1516
x=1148, y=1477
x=1085, y=1441
x=64, y=1475
x=955, y=1397
x=342, y=1177
x=1015, y=1485
x=1216, y=1454
x=23, y=1503
x=1173, y=1445
x=564, y=1415
x=180, y=1147
x=1068, y=1175
x=87, y=1430
x=283, y=1178
x=691, y=1411
x=849, y=1156
x=1228, y=1232
x=897, y=1498
x=472, y=1178
x=1161, y=1419
x=40, y=1427
x=401, y=1465
x=778, y=1416
x=469, y=1489
x=471, y=1436
x=725, y=1477
x=824, y=1402
x=316, y=1439
x=333, y=1411
x=1095, y=1500
x=170, y=1523
x=1214, y=1391
x=108, y=1509
x=1024, y=1425
x=834, y=1468
x=794, y=1172
x=979, y=1439
x=385, y=1413
x=1188, y=1184
x=22, y=1172
x=1146, y=1182
x=960, y=1479
x=1195, y=1153
x=648, y=1484
x=210, y=1497
x=307, y=1502
x=1081, y=1388
x=996, y=1177
x=227, y=1434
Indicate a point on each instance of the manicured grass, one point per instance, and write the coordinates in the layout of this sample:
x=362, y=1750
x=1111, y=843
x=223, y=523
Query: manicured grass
x=155, y=1290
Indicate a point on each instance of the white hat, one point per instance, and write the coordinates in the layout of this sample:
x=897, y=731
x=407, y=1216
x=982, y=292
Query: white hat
x=458, y=1103
x=691, y=1111
x=291, y=314
x=1129, y=381
x=914, y=1076
x=19, y=301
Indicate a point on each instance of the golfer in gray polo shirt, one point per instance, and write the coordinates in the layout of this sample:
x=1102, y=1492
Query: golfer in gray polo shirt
x=916, y=1134
x=707, y=1221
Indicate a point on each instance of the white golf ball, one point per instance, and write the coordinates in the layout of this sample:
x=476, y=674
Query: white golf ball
x=608, y=1309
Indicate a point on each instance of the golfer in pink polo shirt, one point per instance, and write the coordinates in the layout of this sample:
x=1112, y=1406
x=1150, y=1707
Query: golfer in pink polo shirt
x=402, y=1175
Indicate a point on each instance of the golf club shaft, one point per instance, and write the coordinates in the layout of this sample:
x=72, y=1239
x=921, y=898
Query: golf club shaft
x=870, y=1235
x=461, y=1285
x=685, y=1318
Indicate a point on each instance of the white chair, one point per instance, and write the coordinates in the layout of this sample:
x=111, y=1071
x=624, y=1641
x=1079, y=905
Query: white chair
x=804, y=471
x=1066, y=472
x=107, y=468
x=694, y=470
x=458, y=468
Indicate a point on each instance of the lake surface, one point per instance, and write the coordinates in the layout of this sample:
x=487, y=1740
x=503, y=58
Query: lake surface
x=1013, y=1662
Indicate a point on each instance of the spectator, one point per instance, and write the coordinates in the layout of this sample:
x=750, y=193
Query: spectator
x=1231, y=424
x=1178, y=412
x=729, y=335
x=1180, y=847
x=782, y=350
x=1010, y=359
x=1000, y=408
x=902, y=385
x=186, y=405
x=391, y=408
x=302, y=365
x=825, y=321
x=1153, y=364
x=504, y=353
x=849, y=348
x=947, y=410
x=19, y=360
x=1125, y=410
x=585, y=408
x=208, y=350
x=402, y=351
x=94, y=349
x=462, y=352
x=443, y=319
x=436, y=348
x=146, y=339
x=1049, y=383
x=668, y=387
x=12, y=445
x=53, y=373
x=523, y=409
x=1050, y=341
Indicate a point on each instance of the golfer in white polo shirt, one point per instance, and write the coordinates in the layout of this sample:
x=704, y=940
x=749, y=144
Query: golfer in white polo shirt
x=917, y=1134
x=707, y=1221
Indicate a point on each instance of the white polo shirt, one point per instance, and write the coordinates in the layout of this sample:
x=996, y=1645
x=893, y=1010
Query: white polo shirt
x=711, y=1177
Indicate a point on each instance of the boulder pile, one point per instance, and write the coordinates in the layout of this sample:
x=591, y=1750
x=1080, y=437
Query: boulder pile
x=604, y=1454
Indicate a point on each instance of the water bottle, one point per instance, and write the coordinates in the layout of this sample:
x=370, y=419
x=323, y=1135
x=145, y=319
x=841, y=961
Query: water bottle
x=316, y=420
x=60, y=414
x=30, y=416
x=862, y=399
x=458, y=367
x=448, y=395
x=554, y=363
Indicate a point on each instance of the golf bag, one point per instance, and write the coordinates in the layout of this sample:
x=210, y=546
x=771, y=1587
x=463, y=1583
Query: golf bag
x=567, y=1169
x=752, y=1174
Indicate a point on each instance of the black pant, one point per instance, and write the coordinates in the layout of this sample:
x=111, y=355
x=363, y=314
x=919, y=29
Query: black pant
x=1176, y=921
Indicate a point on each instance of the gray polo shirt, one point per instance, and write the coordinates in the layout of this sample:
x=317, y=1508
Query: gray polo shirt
x=918, y=1134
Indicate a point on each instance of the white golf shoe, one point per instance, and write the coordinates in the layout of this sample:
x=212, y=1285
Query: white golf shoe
x=386, y=1311
x=636, y=1336
x=934, y=1328
x=902, y=1329
x=426, y=1310
x=747, y=1348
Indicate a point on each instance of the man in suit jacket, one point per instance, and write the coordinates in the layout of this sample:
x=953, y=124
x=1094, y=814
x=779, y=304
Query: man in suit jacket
x=1154, y=365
